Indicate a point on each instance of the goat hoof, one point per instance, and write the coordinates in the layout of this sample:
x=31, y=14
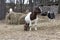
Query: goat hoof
x=35, y=28
x=30, y=29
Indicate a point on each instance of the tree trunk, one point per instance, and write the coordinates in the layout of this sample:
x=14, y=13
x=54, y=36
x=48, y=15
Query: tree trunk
x=30, y=6
x=59, y=7
x=21, y=5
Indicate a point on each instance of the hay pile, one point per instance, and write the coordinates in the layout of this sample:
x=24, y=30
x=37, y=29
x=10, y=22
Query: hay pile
x=21, y=19
x=15, y=18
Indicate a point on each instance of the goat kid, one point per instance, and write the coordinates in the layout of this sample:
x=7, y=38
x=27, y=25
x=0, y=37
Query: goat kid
x=30, y=21
x=32, y=17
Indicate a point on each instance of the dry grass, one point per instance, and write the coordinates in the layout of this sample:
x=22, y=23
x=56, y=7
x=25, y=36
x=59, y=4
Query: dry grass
x=47, y=30
x=15, y=18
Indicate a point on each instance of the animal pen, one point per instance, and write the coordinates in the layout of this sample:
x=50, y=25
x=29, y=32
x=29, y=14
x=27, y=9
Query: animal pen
x=13, y=26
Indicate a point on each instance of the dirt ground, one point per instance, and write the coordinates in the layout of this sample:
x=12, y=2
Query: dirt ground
x=47, y=30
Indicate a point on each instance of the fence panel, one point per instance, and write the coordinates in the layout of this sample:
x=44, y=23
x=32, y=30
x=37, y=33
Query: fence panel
x=2, y=9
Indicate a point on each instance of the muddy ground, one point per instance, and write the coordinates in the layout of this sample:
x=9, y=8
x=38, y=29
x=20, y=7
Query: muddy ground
x=47, y=30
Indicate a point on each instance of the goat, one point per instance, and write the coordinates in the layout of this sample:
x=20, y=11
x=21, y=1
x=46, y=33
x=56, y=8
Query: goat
x=30, y=17
x=51, y=16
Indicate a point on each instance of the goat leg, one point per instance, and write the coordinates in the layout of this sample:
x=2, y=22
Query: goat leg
x=26, y=27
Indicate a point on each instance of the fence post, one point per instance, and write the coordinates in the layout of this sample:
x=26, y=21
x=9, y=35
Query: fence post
x=30, y=6
x=59, y=7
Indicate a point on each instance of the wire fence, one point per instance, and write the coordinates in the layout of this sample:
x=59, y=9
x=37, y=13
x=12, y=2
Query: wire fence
x=19, y=6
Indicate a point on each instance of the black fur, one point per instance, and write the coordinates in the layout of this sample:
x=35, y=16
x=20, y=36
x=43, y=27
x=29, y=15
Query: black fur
x=35, y=12
x=51, y=15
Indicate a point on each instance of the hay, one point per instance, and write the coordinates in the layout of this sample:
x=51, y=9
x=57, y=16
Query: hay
x=13, y=18
x=21, y=19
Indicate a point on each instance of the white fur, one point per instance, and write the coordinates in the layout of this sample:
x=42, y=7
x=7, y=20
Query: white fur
x=41, y=9
x=10, y=10
x=28, y=20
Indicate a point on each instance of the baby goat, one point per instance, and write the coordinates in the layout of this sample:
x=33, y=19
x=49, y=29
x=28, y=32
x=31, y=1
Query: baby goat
x=32, y=16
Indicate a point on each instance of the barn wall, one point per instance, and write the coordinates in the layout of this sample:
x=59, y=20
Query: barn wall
x=2, y=9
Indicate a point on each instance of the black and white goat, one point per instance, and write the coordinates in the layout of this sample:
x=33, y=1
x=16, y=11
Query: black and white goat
x=51, y=16
x=32, y=17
